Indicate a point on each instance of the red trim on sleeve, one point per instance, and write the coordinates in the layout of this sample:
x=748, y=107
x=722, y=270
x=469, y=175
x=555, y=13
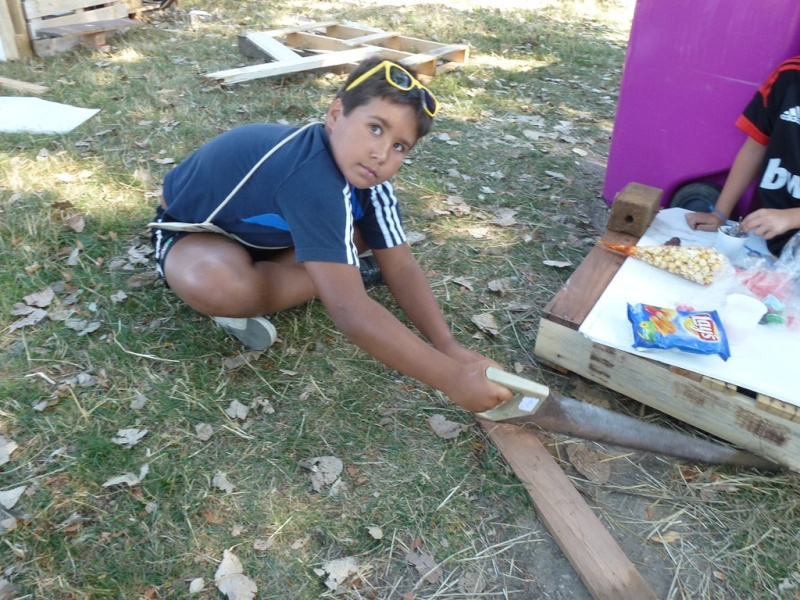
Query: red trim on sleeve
x=747, y=126
x=791, y=64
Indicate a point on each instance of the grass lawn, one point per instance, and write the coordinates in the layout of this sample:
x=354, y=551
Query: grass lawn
x=145, y=443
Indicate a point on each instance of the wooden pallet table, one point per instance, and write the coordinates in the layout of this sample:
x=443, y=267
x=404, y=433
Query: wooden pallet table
x=330, y=44
x=765, y=426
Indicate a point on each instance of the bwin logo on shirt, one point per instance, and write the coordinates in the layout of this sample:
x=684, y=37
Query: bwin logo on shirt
x=792, y=115
x=776, y=177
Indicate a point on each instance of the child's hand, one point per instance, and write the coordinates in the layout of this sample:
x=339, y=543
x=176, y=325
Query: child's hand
x=767, y=222
x=470, y=388
x=704, y=221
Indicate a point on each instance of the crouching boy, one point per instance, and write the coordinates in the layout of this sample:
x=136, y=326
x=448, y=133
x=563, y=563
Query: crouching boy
x=265, y=217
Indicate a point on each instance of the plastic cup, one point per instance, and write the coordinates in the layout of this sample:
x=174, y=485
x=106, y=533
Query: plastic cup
x=728, y=243
x=740, y=315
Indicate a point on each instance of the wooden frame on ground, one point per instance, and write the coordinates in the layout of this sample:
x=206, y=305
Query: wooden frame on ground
x=328, y=44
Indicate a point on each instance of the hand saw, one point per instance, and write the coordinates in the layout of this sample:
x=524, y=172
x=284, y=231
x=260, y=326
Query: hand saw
x=535, y=403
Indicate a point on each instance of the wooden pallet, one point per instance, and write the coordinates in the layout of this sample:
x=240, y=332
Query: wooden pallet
x=330, y=44
x=766, y=426
x=58, y=25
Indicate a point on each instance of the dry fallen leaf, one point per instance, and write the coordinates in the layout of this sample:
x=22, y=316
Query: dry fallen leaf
x=425, y=564
x=203, y=431
x=8, y=591
x=128, y=478
x=139, y=401
x=487, y=323
x=8, y=498
x=7, y=446
x=231, y=580
x=237, y=410
x=325, y=471
x=589, y=462
x=465, y=281
x=560, y=264
x=76, y=223
x=220, y=481
x=261, y=545
x=499, y=286
x=338, y=571
x=443, y=428
x=300, y=542
x=667, y=537
x=375, y=532
x=129, y=437
x=41, y=299
x=197, y=585
x=31, y=319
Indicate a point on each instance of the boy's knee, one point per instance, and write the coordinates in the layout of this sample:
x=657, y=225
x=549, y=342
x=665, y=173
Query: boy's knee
x=210, y=285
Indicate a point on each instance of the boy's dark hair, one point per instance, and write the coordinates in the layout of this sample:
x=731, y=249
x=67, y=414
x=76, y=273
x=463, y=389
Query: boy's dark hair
x=376, y=86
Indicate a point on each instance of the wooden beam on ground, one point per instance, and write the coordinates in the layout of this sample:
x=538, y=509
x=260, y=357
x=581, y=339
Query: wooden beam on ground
x=304, y=27
x=602, y=565
x=291, y=66
x=22, y=86
x=268, y=46
x=370, y=38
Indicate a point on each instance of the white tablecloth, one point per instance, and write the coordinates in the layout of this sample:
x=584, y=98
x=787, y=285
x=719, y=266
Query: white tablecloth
x=767, y=362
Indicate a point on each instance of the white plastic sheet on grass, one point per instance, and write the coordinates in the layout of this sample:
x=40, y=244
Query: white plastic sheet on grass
x=20, y=114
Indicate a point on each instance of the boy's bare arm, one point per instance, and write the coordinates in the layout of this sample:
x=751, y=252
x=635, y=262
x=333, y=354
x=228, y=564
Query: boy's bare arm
x=412, y=292
x=374, y=329
x=744, y=169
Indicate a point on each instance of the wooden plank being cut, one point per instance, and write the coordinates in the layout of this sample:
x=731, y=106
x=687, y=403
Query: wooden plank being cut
x=291, y=66
x=599, y=561
x=22, y=86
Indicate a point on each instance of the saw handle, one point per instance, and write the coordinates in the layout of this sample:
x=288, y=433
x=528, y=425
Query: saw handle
x=526, y=387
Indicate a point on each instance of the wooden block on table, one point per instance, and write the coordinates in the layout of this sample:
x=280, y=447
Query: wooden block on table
x=634, y=209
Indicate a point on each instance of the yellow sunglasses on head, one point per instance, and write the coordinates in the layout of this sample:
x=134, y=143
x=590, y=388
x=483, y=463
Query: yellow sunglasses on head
x=401, y=79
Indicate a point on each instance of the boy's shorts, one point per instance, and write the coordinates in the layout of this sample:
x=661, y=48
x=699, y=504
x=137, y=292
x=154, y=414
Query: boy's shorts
x=164, y=239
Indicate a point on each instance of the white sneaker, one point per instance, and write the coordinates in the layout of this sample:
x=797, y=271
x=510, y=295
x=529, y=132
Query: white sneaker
x=257, y=333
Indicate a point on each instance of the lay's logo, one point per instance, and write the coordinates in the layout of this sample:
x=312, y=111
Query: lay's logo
x=703, y=326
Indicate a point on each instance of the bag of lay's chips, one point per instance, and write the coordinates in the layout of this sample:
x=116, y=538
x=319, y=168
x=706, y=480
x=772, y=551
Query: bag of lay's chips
x=699, y=332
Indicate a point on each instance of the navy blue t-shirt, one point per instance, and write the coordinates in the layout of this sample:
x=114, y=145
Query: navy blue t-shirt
x=297, y=197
